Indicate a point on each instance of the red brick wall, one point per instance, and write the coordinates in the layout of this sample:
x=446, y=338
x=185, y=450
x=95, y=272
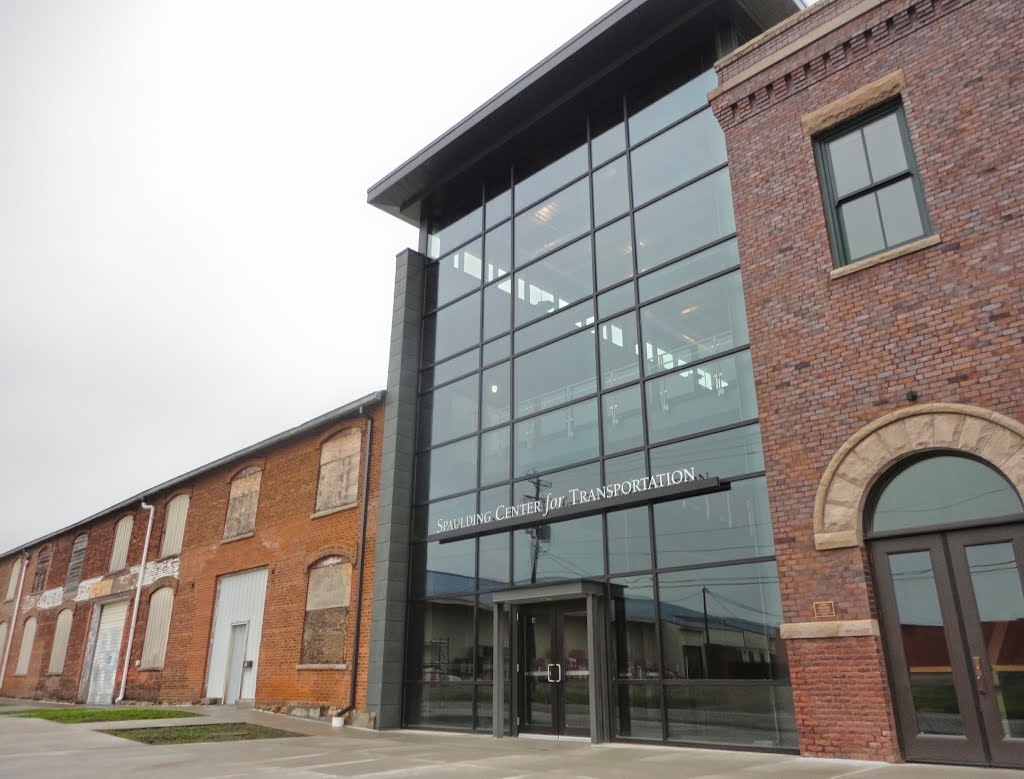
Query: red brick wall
x=832, y=355
x=285, y=540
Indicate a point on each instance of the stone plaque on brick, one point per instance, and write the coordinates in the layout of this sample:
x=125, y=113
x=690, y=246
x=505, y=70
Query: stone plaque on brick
x=824, y=609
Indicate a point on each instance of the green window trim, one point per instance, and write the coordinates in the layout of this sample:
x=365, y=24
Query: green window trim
x=834, y=201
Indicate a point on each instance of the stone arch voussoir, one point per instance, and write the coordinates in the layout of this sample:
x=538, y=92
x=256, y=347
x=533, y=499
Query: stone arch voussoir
x=865, y=457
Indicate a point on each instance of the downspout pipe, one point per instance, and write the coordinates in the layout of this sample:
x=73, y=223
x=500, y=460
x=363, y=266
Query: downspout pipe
x=362, y=558
x=138, y=597
x=14, y=618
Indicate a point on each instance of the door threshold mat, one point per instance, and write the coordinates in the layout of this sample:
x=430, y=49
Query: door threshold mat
x=198, y=734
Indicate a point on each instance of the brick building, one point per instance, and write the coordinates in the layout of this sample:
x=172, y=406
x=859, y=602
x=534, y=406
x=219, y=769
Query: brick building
x=250, y=589
x=702, y=415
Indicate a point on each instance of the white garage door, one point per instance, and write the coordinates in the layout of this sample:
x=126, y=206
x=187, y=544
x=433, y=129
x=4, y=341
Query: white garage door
x=105, y=657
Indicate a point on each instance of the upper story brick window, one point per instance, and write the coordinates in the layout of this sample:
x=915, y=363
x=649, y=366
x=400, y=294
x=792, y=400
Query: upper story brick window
x=243, y=501
x=338, y=485
x=122, y=537
x=42, y=568
x=174, y=526
x=871, y=185
x=12, y=583
x=76, y=565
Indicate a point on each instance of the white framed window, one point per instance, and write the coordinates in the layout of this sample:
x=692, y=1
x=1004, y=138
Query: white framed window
x=122, y=537
x=174, y=526
x=158, y=624
x=28, y=638
x=12, y=585
x=61, y=635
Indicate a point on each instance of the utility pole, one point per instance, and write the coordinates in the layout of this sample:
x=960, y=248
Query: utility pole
x=539, y=533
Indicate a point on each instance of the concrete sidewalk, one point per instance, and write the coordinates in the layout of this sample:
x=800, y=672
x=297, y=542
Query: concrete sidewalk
x=37, y=748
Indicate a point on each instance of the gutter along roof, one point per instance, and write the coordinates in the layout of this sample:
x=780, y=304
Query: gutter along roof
x=331, y=416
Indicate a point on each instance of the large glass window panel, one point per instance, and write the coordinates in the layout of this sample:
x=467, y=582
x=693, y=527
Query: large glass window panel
x=901, y=217
x=675, y=105
x=453, y=275
x=614, y=253
x=498, y=349
x=445, y=651
x=498, y=252
x=676, y=156
x=446, y=470
x=425, y=517
x=638, y=712
x=452, y=329
x=620, y=358
x=722, y=623
x=607, y=143
x=849, y=163
x=740, y=715
x=495, y=392
x=552, y=223
x=449, y=567
x=862, y=226
x=622, y=421
x=730, y=453
x=557, y=484
x=494, y=561
x=568, y=320
x=714, y=394
x=616, y=300
x=730, y=525
x=634, y=632
x=556, y=439
x=448, y=234
x=433, y=705
x=629, y=543
x=550, y=177
x=565, y=550
x=611, y=191
x=445, y=371
x=943, y=490
x=685, y=220
x=494, y=497
x=497, y=308
x=624, y=468
x=449, y=412
x=498, y=207
x=924, y=644
x=694, y=324
x=690, y=270
x=555, y=374
x=884, y=143
x=494, y=456
x=553, y=283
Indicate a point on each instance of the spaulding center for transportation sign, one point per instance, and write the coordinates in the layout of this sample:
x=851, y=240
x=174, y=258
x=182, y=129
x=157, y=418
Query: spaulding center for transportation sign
x=678, y=483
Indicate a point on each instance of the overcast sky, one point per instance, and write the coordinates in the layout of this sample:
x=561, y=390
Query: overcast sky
x=188, y=261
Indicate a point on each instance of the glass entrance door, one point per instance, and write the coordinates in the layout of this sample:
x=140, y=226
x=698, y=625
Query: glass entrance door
x=952, y=608
x=554, y=679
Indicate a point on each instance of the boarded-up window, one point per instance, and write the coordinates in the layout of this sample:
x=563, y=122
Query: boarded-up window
x=12, y=585
x=158, y=623
x=327, y=603
x=76, y=564
x=28, y=638
x=3, y=638
x=60, y=641
x=42, y=568
x=174, y=526
x=339, y=471
x=245, y=495
x=122, y=537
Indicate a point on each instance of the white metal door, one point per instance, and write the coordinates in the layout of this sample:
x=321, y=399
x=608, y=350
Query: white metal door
x=236, y=663
x=240, y=599
x=105, y=656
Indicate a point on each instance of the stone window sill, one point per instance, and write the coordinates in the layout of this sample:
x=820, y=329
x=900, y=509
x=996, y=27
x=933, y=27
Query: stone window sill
x=328, y=512
x=892, y=254
x=322, y=667
x=151, y=669
x=241, y=537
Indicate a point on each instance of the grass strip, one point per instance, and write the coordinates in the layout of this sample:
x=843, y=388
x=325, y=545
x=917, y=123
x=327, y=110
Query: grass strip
x=199, y=734
x=73, y=716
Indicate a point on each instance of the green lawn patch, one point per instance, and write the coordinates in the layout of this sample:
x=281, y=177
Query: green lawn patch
x=198, y=734
x=72, y=716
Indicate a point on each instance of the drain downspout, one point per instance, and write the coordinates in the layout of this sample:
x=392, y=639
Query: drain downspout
x=14, y=618
x=362, y=558
x=135, y=608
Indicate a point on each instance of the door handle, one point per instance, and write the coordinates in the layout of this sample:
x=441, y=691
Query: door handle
x=558, y=668
x=978, y=675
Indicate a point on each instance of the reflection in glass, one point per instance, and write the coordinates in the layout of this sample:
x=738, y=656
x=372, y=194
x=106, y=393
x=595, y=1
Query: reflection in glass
x=444, y=238
x=628, y=466
x=614, y=253
x=733, y=452
x=638, y=712
x=692, y=269
x=714, y=394
x=449, y=567
x=607, y=143
x=634, y=631
x=449, y=412
x=495, y=392
x=452, y=329
x=944, y=489
x=616, y=300
x=676, y=156
x=550, y=177
x=494, y=557
x=452, y=276
x=622, y=421
x=553, y=222
x=492, y=498
x=611, y=191
x=439, y=706
x=497, y=308
x=730, y=525
x=995, y=578
x=759, y=716
x=498, y=349
x=556, y=439
x=620, y=354
x=425, y=517
x=566, y=321
x=722, y=623
x=553, y=283
x=675, y=105
x=498, y=207
x=446, y=470
x=498, y=245
x=924, y=644
x=450, y=369
x=555, y=374
x=685, y=220
x=494, y=456
x=558, y=484
x=629, y=541
x=565, y=550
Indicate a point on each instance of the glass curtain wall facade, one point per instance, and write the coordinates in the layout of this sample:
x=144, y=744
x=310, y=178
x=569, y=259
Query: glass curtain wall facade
x=585, y=325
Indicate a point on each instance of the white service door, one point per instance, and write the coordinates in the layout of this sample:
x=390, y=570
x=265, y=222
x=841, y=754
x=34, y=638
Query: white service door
x=240, y=599
x=103, y=674
x=236, y=663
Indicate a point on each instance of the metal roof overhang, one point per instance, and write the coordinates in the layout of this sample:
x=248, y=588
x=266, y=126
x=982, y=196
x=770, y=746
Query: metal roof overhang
x=567, y=72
